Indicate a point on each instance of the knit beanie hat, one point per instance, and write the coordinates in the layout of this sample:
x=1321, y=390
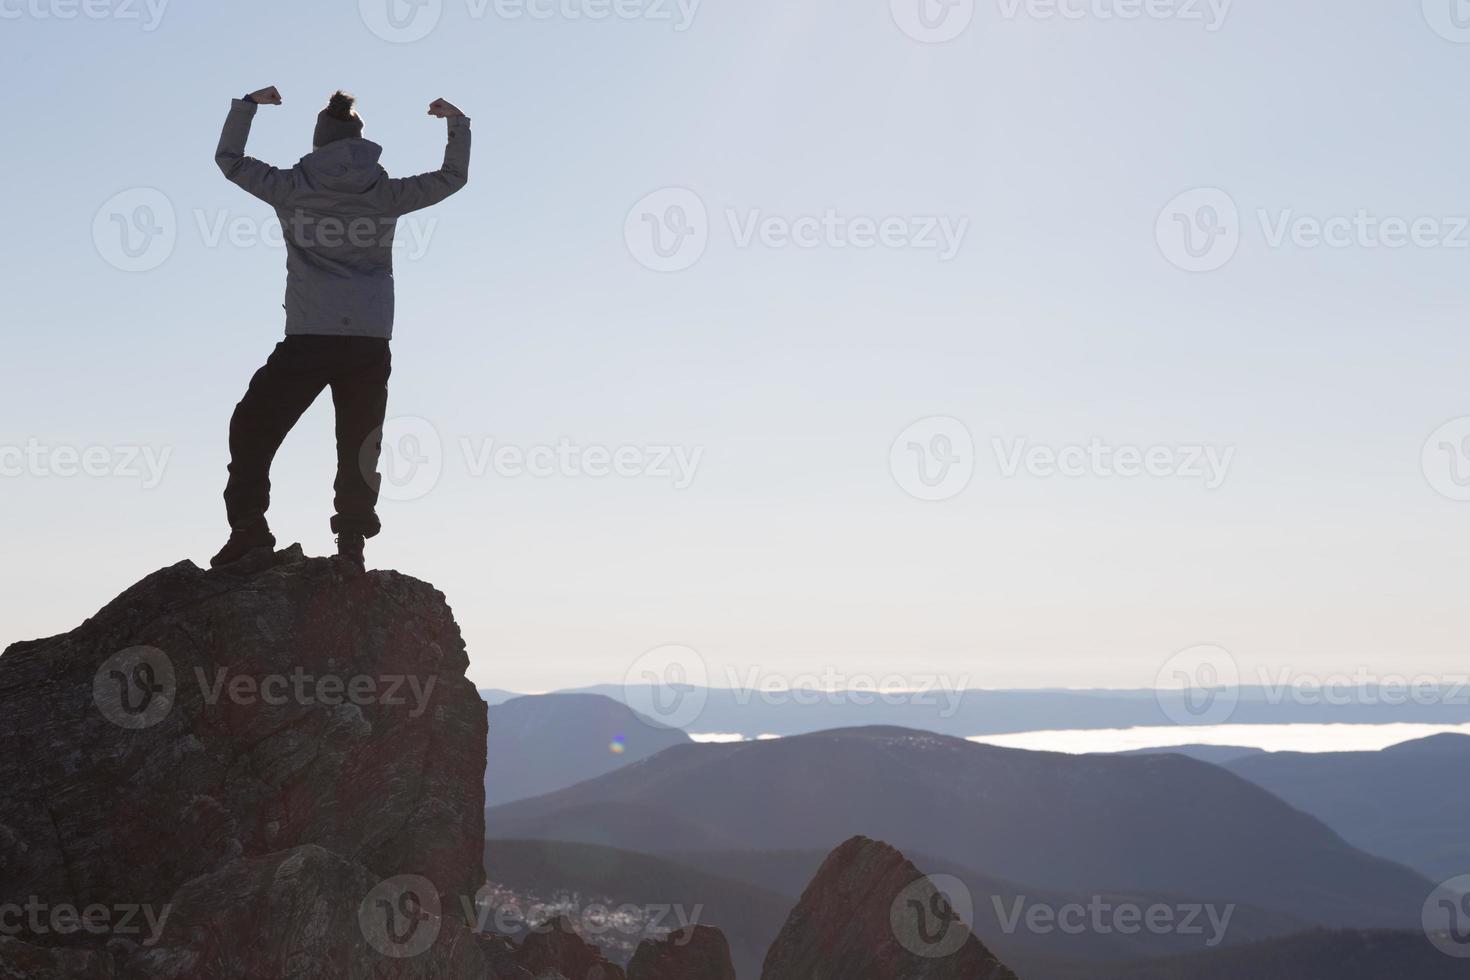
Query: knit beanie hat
x=338, y=121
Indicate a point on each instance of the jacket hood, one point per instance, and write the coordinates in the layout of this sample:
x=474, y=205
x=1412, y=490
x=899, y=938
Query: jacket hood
x=346, y=165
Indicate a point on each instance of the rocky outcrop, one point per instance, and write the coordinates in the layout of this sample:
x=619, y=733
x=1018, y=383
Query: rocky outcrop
x=237, y=773
x=869, y=914
x=555, y=950
x=692, y=953
x=303, y=914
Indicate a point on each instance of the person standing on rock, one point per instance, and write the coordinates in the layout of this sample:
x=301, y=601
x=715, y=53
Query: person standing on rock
x=338, y=210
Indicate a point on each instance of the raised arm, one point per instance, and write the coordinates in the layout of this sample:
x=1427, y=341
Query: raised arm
x=412, y=193
x=258, y=178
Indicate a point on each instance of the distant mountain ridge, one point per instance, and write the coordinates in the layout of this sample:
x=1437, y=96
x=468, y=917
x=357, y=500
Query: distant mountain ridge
x=1407, y=803
x=966, y=713
x=1152, y=824
x=542, y=743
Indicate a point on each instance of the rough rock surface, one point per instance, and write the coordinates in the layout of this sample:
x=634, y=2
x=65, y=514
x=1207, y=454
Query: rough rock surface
x=250, y=756
x=304, y=914
x=557, y=951
x=869, y=914
x=693, y=953
x=22, y=960
x=227, y=758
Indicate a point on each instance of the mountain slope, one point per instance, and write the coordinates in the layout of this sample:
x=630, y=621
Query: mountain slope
x=542, y=743
x=1159, y=824
x=1414, y=813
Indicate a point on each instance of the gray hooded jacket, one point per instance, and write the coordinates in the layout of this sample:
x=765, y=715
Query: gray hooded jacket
x=339, y=209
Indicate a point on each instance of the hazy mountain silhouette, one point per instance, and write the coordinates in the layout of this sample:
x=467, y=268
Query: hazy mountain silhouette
x=543, y=743
x=1408, y=802
x=1152, y=824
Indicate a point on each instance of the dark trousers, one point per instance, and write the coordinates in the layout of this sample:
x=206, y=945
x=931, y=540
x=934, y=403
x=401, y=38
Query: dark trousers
x=357, y=370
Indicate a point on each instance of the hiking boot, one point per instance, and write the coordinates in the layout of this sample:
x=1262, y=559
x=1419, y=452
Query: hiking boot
x=245, y=542
x=350, y=548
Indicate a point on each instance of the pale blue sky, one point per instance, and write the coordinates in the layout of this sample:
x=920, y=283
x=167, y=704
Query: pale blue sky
x=528, y=319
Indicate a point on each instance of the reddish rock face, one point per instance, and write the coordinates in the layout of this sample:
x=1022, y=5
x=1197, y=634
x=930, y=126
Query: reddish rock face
x=694, y=953
x=205, y=716
x=226, y=762
x=869, y=914
x=557, y=949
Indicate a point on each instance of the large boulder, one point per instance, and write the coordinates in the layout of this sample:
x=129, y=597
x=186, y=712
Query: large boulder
x=554, y=951
x=304, y=914
x=260, y=742
x=692, y=953
x=869, y=914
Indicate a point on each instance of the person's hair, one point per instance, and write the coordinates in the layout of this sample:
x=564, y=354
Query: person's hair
x=339, y=106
